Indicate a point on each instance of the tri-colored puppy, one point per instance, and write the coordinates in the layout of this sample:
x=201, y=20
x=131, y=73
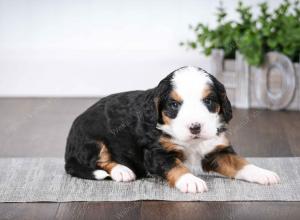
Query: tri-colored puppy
x=160, y=132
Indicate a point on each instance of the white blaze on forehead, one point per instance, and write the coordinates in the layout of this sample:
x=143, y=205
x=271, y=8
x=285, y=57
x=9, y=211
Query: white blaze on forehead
x=190, y=81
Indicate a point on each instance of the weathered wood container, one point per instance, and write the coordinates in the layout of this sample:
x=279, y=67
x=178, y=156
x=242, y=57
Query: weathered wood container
x=275, y=85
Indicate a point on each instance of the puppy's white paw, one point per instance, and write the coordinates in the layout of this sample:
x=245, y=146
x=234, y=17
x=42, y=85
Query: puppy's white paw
x=122, y=173
x=256, y=174
x=100, y=174
x=189, y=183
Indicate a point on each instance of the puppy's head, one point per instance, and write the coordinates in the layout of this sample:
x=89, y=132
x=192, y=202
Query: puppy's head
x=192, y=104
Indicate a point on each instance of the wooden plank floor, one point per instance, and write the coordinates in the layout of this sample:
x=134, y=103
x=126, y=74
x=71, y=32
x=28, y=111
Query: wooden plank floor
x=32, y=127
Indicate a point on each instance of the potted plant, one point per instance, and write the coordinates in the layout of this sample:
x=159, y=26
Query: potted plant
x=257, y=58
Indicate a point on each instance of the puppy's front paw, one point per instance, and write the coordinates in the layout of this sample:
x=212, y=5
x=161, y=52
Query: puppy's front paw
x=122, y=173
x=189, y=183
x=256, y=174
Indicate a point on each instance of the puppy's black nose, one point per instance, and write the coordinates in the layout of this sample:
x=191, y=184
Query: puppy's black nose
x=195, y=128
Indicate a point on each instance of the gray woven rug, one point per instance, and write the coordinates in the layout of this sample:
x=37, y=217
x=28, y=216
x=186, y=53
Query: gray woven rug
x=44, y=179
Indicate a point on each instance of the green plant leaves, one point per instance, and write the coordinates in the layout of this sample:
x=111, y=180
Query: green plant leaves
x=277, y=30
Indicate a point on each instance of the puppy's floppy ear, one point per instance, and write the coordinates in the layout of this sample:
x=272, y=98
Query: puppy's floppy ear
x=161, y=93
x=226, y=109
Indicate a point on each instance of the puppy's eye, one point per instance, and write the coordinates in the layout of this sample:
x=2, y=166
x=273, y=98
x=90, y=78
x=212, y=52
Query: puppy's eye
x=208, y=101
x=211, y=104
x=174, y=105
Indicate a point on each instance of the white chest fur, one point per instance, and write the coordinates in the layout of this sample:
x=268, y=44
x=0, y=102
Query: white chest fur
x=196, y=150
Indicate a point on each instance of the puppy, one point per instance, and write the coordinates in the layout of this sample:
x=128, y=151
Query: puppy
x=160, y=132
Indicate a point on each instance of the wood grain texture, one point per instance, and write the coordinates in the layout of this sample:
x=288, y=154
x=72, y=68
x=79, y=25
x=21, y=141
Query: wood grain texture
x=99, y=210
x=28, y=211
x=219, y=210
x=38, y=127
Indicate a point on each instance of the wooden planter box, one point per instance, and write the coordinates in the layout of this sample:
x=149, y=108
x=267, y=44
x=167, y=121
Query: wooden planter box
x=275, y=85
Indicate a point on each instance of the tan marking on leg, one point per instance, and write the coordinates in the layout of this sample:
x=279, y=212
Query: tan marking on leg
x=229, y=165
x=104, y=162
x=169, y=146
x=176, y=172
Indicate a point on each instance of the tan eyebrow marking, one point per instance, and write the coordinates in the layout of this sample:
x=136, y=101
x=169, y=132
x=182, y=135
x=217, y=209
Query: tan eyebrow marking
x=174, y=95
x=206, y=92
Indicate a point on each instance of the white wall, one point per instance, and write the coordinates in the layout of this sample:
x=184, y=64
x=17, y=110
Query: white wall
x=93, y=48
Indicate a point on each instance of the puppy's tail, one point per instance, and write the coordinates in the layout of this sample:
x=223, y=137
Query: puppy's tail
x=73, y=168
